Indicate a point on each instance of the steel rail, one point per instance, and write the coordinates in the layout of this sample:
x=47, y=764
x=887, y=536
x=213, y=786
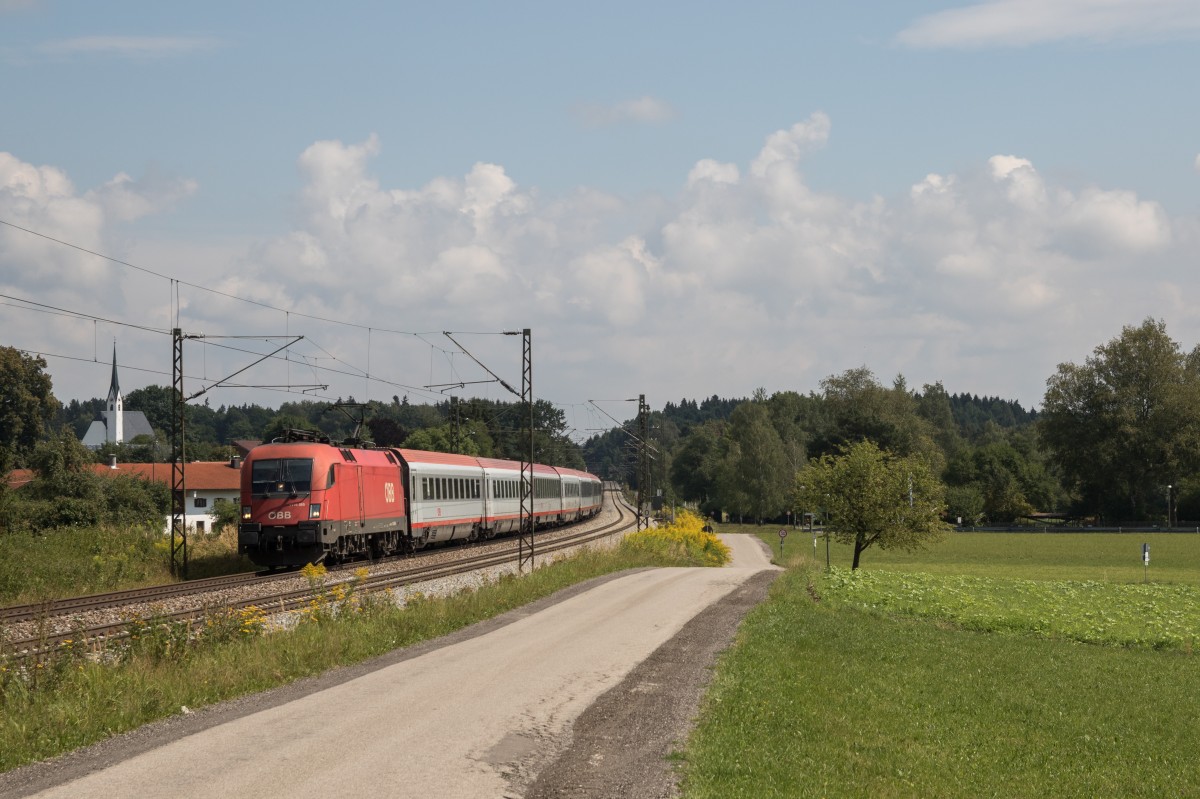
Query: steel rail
x=148, y=594
x=291, y=600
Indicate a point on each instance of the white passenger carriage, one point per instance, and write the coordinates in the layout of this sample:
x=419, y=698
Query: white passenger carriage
x=446, y=496
x=581, y=494
x=502, y=490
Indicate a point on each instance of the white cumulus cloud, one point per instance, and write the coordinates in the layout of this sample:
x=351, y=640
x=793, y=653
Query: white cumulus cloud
x=1018, y=23
x=984, y=278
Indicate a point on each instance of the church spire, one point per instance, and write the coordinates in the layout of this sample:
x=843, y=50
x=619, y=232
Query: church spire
x=114, y=388
x=116, y=411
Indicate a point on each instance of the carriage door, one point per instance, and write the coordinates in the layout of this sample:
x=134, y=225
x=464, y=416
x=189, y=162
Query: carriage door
x=362, y=513
x=347, y=484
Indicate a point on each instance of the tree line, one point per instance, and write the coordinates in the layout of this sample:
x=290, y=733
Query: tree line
x=1117, y=438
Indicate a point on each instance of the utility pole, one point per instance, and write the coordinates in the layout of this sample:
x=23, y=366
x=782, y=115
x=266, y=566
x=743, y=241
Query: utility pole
x=527, y=521
x=179, y=553
x=643, y=467
x=179, y=556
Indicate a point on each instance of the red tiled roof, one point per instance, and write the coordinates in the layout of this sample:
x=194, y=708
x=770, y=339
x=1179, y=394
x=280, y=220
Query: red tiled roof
x=199, y=476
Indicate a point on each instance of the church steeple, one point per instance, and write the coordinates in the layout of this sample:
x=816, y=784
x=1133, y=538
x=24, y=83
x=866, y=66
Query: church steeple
x=114, y=388
x=116, y=411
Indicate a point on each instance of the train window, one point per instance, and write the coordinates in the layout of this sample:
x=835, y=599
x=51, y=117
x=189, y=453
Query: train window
x=281, y=476
x=329, y=479
x=477, y=490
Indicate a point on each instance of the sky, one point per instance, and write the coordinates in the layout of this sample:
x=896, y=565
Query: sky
x=676, y=199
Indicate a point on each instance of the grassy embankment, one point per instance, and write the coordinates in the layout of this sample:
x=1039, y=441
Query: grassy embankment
x=990, y=665
x=35, y=567
x=69, y=700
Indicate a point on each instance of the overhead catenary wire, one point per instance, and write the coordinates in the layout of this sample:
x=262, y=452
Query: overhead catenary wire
x=175, y=311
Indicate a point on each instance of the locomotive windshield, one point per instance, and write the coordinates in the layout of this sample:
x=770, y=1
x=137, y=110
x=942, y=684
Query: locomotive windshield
x=273, y=476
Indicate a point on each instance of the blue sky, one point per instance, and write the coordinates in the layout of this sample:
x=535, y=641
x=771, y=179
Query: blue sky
x=680, y=199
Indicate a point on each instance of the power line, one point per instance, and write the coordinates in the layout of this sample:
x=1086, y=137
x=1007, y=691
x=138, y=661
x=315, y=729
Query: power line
x=227, y=295
x=175, y=282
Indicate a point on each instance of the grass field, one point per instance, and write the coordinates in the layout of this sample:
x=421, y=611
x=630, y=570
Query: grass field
x=1106, y=557
x=78, y=561
x=961, y=672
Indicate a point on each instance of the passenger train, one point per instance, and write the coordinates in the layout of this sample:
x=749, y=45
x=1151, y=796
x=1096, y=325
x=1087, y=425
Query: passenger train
x=307, y=501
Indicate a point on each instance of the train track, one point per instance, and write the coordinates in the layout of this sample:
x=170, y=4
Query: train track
x=281, y=601
x=157, y=593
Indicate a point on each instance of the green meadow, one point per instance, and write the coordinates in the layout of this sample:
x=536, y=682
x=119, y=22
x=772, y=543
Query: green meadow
x=988, y=665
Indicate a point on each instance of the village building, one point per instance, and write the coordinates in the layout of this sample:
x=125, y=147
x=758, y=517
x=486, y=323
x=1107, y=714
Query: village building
x=114, y=424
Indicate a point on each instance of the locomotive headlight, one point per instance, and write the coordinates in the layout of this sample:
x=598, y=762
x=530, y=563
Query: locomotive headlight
x=314, y=511
x=245, y=513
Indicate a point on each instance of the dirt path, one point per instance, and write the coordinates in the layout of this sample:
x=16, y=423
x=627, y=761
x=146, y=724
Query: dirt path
x=478, y=714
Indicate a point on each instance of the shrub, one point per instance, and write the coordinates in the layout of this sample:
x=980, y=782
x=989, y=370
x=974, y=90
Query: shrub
x=685, y=536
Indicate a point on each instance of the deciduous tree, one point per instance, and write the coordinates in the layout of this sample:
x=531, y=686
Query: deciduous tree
x=755, y=476
x=26, y=405
x=1126, y=423
x=871, y=497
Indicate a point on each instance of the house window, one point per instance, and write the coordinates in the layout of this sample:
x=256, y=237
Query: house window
x=199, y=527
x=201, y=502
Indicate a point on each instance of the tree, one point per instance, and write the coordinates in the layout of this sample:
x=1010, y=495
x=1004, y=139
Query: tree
x=859, y=408
x=873, y=497
x=26, y=405
x=284, y=422
x=66, y=492
x=695, y=464
x=1125, y=424
x=755, y=476
x=1008, y=482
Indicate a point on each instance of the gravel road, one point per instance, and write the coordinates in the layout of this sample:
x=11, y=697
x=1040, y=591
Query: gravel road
x=582, y=694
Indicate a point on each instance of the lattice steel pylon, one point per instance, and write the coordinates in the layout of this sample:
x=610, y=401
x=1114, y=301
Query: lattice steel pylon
x=527, y=520
x=179, y=554
x=643, y=463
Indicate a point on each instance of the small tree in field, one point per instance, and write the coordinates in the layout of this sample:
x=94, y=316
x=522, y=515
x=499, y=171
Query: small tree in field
x=872, y=497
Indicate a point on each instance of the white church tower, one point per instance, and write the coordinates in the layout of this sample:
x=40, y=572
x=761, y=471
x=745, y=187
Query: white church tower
x=116, y=412
x=114, y=425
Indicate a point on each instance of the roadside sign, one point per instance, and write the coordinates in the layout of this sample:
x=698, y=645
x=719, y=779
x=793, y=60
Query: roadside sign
x=1146, y=554
x=783, y=532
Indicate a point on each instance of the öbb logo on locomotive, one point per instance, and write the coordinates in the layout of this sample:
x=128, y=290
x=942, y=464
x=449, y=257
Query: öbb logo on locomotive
x=309, y=500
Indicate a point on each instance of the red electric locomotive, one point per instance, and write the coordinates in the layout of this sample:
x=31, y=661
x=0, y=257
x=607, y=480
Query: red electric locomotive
x=308, y=500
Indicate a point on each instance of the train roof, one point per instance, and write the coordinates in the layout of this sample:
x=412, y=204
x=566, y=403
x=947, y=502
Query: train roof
x=566, y=470
x=515, y=466
x=438, y=458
